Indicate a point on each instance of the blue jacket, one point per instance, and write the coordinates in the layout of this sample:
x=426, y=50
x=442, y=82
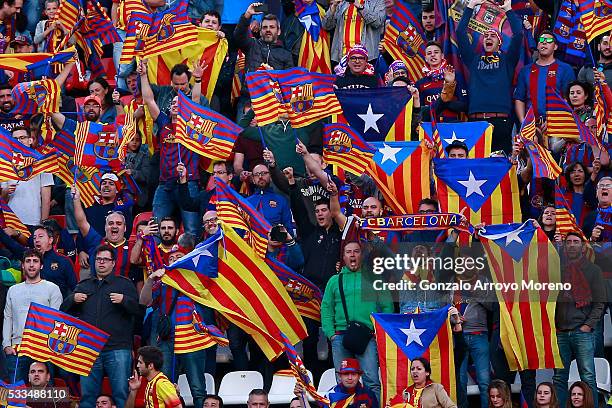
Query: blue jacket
x=274, y=207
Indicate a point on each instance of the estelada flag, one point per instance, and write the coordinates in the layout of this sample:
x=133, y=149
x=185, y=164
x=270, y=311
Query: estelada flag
x=36, y=96
x=377, y=114
x=224, y=273
x=401, y=173
x=476, y=135
x=205, y=131
x=519, y=253
x=405, y=40
x=314, y=46
x=190, y=333
x=487, y=188
x=400, y=338
x=303, y=97
x=344, y=147
x=19, y=162
x=64, y=340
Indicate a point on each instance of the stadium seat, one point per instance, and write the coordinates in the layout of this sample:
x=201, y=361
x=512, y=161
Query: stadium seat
x=185, y=391
x=607, y=330
x=327, y=381
x=602, y=374
x=281, y=391
x=235, y=386
x=210, y=383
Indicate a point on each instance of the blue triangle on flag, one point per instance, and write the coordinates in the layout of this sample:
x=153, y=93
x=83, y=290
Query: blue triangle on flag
x=474, y=180
x=514, y=238
x=467, y=132
x=412, y=333
x=203, y=259
x=372, y=112
x=390, y=155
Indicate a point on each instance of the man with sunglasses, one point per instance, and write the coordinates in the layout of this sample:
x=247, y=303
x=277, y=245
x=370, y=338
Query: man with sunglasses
x=534, y=78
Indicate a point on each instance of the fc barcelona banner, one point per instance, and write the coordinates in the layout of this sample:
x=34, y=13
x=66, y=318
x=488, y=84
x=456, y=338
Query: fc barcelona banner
x=69, y=343
x=413, y=222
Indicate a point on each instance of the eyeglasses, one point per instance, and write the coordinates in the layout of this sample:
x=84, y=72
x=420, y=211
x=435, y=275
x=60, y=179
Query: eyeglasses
x=104, y=260
x=210, y=221
x=354, y=59
x=25, y=137
x=261, y=173
x=548, y=40
x=606, y=186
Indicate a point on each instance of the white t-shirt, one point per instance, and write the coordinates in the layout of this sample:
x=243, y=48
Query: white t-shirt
x=26, y=201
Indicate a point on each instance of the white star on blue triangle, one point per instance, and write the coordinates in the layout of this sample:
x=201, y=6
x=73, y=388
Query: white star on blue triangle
x=390, y=155
x=514, y=239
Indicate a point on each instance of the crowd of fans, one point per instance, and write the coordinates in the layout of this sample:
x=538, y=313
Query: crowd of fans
x=88, y=261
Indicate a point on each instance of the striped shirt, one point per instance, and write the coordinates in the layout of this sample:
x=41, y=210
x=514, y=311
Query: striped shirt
x=160, y=392
x=172, y=153
x=122, y=263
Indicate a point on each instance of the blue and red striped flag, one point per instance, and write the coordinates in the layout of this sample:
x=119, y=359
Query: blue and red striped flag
x=44, y=67
x=544, y=165
x=191, y=334
x=205, y=131
x=9, y=219
x=36, y=96
x=405, y=40
x=596, y=18
x=561, y=121
x=19, y=162
x=96, y=145
x=64, y=340
x=304, y=97
x=13, y=395
x=344, y=147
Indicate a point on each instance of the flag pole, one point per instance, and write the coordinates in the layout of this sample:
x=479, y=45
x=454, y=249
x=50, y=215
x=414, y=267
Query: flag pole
x=16, y=366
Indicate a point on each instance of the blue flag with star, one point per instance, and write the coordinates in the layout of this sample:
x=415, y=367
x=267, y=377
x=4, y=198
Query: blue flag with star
x=413, y=333
x=474, y=180
x=476, y=135
x=513, y=238
x=390, y=155
x=309, y=17
x=372, y=112
x=203, y=259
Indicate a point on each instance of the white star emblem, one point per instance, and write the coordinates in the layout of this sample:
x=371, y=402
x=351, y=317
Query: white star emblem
x=308, y=22
x=196, y=258
x=514, y=236
x=472, y=185
x=370, y=118
x=389, y=153
x=453, y=138
x=413, y=335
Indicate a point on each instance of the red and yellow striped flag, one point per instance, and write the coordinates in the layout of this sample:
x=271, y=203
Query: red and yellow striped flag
x=9, y=219
x=238, y=75
x=353, y=27
x=191, y=334
x=87, y=178
x=596, y=17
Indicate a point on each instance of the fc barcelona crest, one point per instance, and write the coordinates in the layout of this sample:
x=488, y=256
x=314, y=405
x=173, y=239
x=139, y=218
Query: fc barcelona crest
x=63, y=338
x=166, y=30
x=106, y=146
x=298, y=291
x=276, y=90
x=339, y=142
x=198, y=326
x=200, y=129
x=22, y=165
x=37, y=92
x=409, y=41
x=302, y=98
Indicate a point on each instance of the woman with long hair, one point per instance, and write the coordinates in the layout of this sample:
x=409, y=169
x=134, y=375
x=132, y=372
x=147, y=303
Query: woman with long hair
x=580, y=192
x=546, y=396
x=580, y=98
x=99, y=87
x=499, y=395
x=580, y=396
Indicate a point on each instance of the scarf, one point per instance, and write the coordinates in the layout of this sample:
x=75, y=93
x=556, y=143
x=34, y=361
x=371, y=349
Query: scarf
x=437, y=73
x=490, y=58
x=409, y=395
x=342, y=67
x=581, y=291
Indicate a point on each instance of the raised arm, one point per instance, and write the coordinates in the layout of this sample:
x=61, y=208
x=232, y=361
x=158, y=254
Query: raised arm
x=147, y=92
x=79, y=213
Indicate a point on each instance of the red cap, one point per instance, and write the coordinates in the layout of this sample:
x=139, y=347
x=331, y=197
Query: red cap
x=92, y=98
x=350, y=365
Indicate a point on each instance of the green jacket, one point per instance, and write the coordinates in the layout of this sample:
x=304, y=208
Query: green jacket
x=360, y=302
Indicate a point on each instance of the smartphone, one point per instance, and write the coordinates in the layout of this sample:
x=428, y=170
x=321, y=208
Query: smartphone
x=262, y=8
x=600, y=67
x=277, y=234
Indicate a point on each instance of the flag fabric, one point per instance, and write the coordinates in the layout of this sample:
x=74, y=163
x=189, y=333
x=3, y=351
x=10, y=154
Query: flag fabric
x=604, y=121
x=13, y=395
x=342, y=146
x=96, y=145
x=396, y=163
x=596, y=17
x=476, y=135
x=9, y=219
x=21, y=62
x=205, y=131
x=152, y=34
x=36, y=96
x=225, y=274
x=19, y=162
x=87, y=179
x=519, y=253
x=561, y=121
x=544, y=165
x=190, y=333
x=305, y=97
x=43, y=68
x=372, y=112
x=400, y=338
x=238, y=75
x=565, y=219
x=434, y=138
x=487, y=188
x=405, y=40
x=68, y=14
x=314, y=47
x=64, y=340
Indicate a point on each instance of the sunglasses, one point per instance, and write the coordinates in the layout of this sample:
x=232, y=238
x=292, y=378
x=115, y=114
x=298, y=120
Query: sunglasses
x=548, y=40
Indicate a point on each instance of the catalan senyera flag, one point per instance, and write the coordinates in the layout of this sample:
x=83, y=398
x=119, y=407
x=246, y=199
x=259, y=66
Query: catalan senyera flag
x=64, y=340
x=9, y=219
x=405, y=40
x=400, y=338
x=205, y=131
x=600, y=110
x=561, y=121
x=19, y=162
x=476, y=135
x=596, y=17
x=544, y=165
x=314, y=48
x=87, y=179
x=225, y=274
x=305, y=97
x=36, y=96
x=401, y=173
x=13, y=395
x=20, y=62
x=344, y=147
x=152, y=34
x=486, y=188
x=190, y=333
x=519, y=253
x=238, y=75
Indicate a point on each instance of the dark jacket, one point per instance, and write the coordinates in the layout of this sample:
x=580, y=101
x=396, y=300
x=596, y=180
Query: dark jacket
x=98, y=310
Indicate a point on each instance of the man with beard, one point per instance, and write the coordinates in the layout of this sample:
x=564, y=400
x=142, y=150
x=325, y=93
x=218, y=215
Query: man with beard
x=168, y=233
x=8, y=119
x=92, y=108
x=578, y=312
x=604, y=63
x=111, y=198
x=114, y=235
x=32, y=289
x=40, y=379
x=491, y=73
x=274, y=207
